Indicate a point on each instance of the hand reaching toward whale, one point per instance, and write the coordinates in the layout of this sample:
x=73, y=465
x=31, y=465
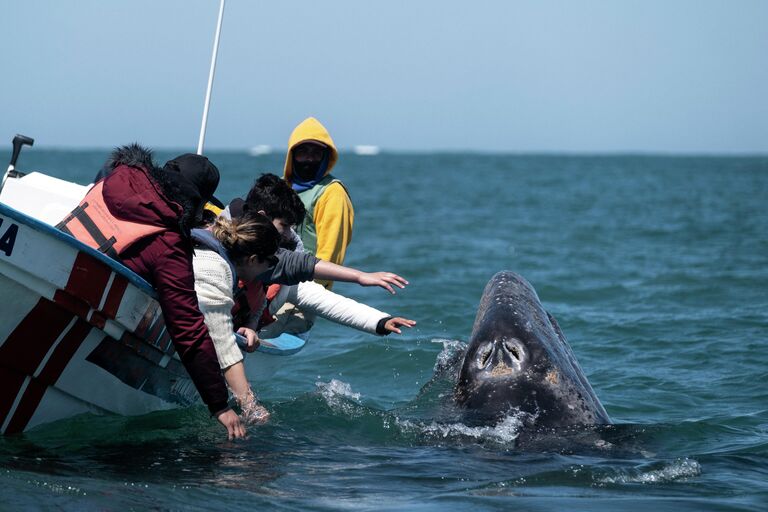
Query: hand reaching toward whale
x=332, y=272
x=394, y=323
x=382, y=279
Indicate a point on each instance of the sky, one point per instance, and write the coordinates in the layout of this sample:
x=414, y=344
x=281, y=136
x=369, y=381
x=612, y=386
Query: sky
x=590, y=76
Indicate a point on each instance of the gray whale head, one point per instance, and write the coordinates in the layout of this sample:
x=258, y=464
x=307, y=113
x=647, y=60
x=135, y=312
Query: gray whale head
x=519, y=360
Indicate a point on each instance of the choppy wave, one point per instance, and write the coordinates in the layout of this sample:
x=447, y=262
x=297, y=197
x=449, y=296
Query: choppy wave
x=505, y=432
x=679, y=469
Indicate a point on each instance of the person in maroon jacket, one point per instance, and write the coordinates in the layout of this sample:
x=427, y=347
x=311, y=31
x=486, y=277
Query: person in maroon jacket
x=169, y=201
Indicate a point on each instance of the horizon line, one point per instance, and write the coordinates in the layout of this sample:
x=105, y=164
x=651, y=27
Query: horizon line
x=433, y=151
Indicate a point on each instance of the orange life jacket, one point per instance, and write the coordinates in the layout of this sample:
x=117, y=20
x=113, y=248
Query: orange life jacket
x=93, y=224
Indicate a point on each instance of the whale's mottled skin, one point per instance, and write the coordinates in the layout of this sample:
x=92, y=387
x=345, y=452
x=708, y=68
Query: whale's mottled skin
x=519, y=360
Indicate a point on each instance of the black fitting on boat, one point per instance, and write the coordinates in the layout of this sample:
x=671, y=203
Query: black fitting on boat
x=20, y=141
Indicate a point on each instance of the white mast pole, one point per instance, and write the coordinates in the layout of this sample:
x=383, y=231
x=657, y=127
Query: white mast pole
x=201, y=142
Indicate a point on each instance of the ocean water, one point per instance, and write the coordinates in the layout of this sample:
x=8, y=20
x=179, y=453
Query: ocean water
x=656, y=268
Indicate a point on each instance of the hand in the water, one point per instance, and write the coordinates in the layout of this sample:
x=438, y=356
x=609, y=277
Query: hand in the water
x=253, y=413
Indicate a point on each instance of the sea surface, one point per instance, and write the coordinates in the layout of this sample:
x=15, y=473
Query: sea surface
x=656, y=268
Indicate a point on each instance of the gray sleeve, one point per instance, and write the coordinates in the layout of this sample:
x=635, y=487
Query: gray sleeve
x=293, y=267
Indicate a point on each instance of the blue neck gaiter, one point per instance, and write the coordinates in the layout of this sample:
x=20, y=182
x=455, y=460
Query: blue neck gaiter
x=300, y=185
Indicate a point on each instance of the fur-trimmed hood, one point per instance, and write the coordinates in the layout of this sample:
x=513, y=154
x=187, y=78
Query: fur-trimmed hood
x=132, y=155
x=143, y=192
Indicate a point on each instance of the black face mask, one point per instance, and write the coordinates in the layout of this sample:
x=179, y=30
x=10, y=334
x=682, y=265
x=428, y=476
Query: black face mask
x=306, y=171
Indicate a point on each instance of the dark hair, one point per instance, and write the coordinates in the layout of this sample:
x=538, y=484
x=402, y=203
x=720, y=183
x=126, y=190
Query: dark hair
x=245, y=236
x=276, y=197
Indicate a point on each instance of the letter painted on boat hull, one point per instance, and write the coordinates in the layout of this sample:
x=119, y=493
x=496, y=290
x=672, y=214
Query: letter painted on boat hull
x=8, y=238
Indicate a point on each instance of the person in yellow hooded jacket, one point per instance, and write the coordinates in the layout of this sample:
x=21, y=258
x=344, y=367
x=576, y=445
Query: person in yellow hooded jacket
x=326, y=230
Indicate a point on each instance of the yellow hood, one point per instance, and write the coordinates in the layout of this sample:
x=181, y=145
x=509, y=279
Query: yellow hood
x=309, y=129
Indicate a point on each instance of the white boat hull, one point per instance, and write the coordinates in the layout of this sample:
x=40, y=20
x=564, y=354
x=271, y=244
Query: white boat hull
x=78, y=331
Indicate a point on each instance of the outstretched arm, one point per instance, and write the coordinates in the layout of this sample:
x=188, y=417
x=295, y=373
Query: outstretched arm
x=294, y=267
x=312, y=298
x=333, y=272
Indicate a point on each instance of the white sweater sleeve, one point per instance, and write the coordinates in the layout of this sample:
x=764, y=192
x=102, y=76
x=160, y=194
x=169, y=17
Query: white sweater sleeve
x=213, y=285
x=312, y=297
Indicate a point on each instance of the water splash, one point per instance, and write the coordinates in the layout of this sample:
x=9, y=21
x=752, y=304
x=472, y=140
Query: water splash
x=679, y=469
x=448, y=358
x=503, y=433
x=336, y=388
x=340, y=398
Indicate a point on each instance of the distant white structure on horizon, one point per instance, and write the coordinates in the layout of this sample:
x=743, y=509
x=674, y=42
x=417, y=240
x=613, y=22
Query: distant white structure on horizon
x=261, y=149
x=366, y=150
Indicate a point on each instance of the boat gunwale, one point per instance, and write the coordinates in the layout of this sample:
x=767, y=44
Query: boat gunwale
x=115, y=265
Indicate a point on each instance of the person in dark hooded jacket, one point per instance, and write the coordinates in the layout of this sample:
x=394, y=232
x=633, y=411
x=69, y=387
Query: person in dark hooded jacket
x=170, y=202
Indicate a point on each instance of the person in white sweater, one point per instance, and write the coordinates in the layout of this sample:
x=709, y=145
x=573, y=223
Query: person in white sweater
x=247, y=248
